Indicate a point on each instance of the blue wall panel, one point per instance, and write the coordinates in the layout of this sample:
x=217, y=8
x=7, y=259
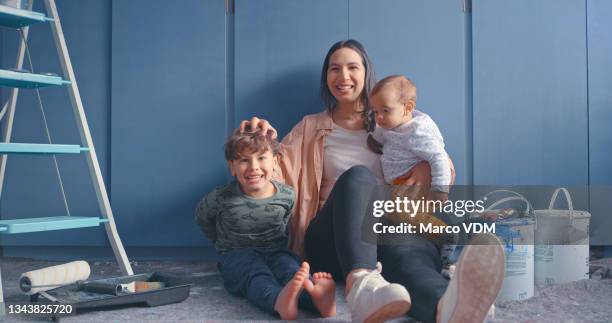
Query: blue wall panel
x=600, y=90
x=279, y=47
x=162, y=69
x=530, y=92
x=31, y=187
x=600, y=115
x=423, y=40
x=167, y=117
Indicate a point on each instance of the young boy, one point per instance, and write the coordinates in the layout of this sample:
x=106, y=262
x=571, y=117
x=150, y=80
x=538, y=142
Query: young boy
x=409, y=136
x=247, y=222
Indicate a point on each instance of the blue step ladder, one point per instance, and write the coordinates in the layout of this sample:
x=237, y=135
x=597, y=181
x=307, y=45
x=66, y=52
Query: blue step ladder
x=19, y=78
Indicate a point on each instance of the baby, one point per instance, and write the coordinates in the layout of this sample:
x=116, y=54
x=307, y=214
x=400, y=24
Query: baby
x=405, y=137
x=247, y=222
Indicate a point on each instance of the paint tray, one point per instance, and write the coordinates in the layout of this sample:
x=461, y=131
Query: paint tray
x=176, y=290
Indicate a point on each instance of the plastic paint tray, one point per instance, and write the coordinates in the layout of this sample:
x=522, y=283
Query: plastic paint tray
x=175, y=291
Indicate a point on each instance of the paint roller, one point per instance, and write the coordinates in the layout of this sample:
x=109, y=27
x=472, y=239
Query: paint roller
x=40, y=280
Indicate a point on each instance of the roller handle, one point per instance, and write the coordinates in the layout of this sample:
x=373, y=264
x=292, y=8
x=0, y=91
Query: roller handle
x=101, y=288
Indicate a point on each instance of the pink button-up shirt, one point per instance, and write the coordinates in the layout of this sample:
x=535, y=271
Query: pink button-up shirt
x=302, y=168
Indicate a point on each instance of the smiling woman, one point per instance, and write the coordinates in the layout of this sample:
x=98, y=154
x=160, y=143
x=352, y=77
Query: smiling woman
x=346, y=80
x=327, y=162
x=345, y=76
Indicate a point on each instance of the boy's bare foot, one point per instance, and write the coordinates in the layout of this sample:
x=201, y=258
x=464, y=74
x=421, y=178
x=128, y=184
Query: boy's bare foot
x=323, y=293
x=287, y=301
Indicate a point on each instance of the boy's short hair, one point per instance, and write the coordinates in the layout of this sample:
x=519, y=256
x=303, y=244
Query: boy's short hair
x=249, y=143
x=404, y=86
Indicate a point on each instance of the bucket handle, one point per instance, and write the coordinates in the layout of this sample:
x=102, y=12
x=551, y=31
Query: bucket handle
x=508, y=199
x=568, y=198
x=516, y=197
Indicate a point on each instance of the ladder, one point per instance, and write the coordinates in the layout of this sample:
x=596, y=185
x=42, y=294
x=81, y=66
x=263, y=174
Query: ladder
x=21, y=19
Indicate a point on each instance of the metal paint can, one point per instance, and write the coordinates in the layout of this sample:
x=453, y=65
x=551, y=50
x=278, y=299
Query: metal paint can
x=517, y=235
x=562, y=243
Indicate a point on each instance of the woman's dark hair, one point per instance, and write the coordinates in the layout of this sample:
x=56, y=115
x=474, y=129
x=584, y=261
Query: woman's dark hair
x=329, y=101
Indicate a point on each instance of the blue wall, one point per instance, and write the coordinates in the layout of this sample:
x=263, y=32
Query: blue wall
x=600, y=114
x=520, y=89
x=168, y=116
x=530, y=92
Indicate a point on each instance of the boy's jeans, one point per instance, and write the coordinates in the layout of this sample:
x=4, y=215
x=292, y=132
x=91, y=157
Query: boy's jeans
x=259, y=276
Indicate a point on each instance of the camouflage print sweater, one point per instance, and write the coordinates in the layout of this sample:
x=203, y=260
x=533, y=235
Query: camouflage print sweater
x=233, y=220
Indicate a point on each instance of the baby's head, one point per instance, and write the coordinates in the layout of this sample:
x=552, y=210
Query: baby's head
x=251, y=158
x=392, y=100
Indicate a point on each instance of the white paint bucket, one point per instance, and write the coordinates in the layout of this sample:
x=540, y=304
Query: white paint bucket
x=517, y=235
x=562, y=243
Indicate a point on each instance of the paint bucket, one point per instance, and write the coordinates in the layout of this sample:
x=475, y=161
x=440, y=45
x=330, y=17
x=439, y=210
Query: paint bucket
x=517, y=234
x=562, y=243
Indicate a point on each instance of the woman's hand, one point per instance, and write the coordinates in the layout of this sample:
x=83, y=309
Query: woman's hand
x=419, y=175
x=258, y=124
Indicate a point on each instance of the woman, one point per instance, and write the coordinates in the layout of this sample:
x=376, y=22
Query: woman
x=327, y=161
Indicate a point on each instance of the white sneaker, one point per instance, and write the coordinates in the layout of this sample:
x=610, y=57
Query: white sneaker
x=475, y=283
x=373, y=299
x=450, y=273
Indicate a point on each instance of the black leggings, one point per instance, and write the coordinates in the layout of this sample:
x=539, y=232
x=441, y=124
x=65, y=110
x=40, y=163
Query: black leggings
x=335, y=243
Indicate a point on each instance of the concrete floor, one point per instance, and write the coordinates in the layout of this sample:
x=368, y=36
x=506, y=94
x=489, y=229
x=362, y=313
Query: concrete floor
x=208, y=300
x=588, y=300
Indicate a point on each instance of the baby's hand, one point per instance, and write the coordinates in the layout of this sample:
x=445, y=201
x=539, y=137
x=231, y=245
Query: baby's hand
x=437, y=196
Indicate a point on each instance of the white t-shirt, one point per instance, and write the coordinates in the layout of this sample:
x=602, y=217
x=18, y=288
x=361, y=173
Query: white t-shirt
x=410, y=143
x=343, y=149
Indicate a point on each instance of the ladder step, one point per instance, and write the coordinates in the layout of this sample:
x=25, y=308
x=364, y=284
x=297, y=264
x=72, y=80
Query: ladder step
x=48, y=224
x=29, y=80
x=17, y=18
x=48, y=149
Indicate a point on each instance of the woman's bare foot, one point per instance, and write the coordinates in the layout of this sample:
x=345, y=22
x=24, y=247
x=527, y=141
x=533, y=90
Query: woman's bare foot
x=287, y=301
x=323, y=293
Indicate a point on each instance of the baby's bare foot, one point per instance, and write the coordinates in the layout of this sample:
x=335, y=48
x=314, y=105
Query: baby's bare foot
x=323, y=293
x=287, y=301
